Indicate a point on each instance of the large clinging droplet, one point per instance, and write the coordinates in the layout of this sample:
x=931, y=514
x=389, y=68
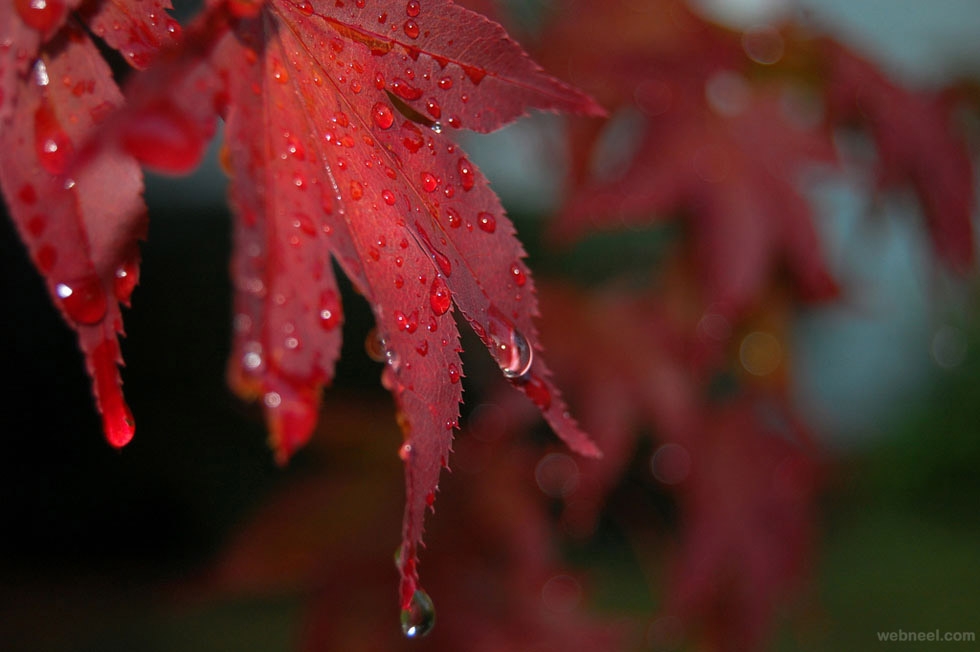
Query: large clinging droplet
x=509, y=346
x=419, y=617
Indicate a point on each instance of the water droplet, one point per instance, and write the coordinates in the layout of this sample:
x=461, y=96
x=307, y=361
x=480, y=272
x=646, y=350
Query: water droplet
x=383, y=116
x=411, y=29
x=413, y=139
x=440, y=298
x=329, y=310
x=126, y=278
x=445, y=83
x=279, y=72
x=455, y=122
x=413, y=8
x=429, y=181
x=41, y=73
x=356, y=190
x=455, y=221
x=405, y=452
x=467, y=177
x=84, y=300
x=436, y=127
x=42, y=15
x=520, y=278
x=404, y=90
x=487, y=222
x=54, y=148
x=433, y=108
x=408, y=323
x=509, y=346
x=453, y=373
x=419, y=617
x=422, y=347
x=374, y=345
x=305, y=8
x=388, y=197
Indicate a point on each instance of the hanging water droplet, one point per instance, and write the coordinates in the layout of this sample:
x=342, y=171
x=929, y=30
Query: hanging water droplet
x=419, y=617
x=374, y=345
x=436, y=127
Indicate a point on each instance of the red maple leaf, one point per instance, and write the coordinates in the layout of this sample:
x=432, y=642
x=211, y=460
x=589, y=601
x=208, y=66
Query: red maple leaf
x=336, y=128
x=80, y=223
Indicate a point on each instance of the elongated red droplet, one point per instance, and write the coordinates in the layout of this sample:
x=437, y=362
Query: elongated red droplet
x=53, y=146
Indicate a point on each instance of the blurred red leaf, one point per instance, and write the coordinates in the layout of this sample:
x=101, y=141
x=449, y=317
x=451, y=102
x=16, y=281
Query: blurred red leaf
x=916, y=145
x=497, y=581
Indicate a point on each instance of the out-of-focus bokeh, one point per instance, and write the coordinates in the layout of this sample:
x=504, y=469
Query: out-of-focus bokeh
x=191, y=539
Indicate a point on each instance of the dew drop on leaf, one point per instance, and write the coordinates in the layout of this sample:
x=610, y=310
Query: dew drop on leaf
x=413, y=8
x=419, y=617
x=42, y=15
x=487, y=222
x=433, y=108
x=453, y=373
x=388, y=197
x=125, y=280
x=445, y=83
x=305, y=8
x=520, y=278
x=84, y=300
x=429, y=182
x=466, y=176
x=54, y=148
x=411, y=29
x=356, y=190
x=383, y=116
x=374, y=345
x=404, y=90
x=440, y=297
x=455, y=221
x=329, y=310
